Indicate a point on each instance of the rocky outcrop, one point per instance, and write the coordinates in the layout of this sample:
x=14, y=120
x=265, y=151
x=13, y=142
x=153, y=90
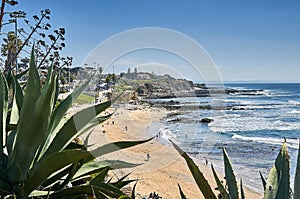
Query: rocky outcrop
x=206, y=120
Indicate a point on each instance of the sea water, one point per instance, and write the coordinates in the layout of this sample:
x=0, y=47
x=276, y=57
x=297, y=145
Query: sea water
x=252, y=132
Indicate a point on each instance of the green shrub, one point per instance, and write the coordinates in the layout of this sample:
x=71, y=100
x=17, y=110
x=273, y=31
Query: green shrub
x=38, y=155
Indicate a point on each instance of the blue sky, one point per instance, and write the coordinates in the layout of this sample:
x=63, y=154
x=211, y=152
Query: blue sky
x=257, y=40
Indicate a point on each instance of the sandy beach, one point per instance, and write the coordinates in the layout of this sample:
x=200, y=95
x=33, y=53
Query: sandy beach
x=162, y=168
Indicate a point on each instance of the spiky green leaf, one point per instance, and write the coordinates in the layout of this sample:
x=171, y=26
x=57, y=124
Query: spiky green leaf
x=122, y=182
x=223, y=191
x=54, y=178
x=115, y=146
x=297, y=176
x=4, y=186
x=197, y=174
x=18, y=76
x=30, y=132
x=72, y=127
x=100, y=176
x=108, y=189
x=263, y=180
x=55, y=162
x=243, y=196
x=77, y=191
x=133, y=191
x=182, y=195
x=3, y=113
x=278, y=181
x=230, y=177
x=94, y=167
x=284, y=184
x=17, y=101
x=74, y=168
x=57, y=120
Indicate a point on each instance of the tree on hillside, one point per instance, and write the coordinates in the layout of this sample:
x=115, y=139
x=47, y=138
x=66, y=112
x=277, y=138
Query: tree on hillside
x=31, y=31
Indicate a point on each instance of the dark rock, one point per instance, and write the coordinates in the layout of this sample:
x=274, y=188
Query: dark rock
x=206, y=120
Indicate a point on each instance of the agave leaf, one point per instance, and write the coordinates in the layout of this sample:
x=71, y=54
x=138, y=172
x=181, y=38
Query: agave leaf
x=272, y=184
x=18, y=76
x=30, y=132
x=14, y=114
x=230, y=177
x=197, y=174
x=56, y=177
x=33, y=90
x=243, y=196
x=49, y=75
x=263, y=180
x=124, y=197
x=64, y=106
x=284, y=165
x=10, y=127
x=122, y=184
x=86, y=140
x=133, y=191
x=94, y=167
x=56, y=95
x=99, y=178
x=78, y=191
x=42, y=170
x=94, y=122
x=108, y=189
x=32, y=94
x=70, y=129
x=4, y=186
x=115, y=146
x=19, y=94
x=74, y=145
x=41, y=194
x=57, y=118
x=17, y=101
x=3, y=113
x=181, y=193
x=10, y=140
x=74, y=168
x=223, y=191
x=277, y=177
x=297, y=176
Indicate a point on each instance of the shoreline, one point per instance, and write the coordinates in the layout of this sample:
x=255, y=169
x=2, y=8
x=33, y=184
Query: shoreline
x=162, y=167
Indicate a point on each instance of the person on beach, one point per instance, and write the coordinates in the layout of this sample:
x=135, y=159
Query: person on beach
x=126, y=128
x=148, y=156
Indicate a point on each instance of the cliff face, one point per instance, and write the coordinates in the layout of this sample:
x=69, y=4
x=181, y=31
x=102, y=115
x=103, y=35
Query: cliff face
x=165, y=88
x=172, y=88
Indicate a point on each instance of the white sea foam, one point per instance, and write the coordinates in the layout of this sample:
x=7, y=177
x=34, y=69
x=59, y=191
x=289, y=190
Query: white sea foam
x=293, y=102
x=294, y=112
x=238, y=123
x=166, y=134
x=292, y=143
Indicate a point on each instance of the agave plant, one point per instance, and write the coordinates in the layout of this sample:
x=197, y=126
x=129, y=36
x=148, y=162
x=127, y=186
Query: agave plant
x=276, y=187
x=38, y=155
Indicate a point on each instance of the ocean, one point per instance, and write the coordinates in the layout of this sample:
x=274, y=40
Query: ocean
x=252, y=131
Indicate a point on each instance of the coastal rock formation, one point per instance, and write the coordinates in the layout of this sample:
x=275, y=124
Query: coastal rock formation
x=206, y=120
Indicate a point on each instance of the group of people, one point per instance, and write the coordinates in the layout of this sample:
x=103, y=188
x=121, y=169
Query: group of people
x=152, y=196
